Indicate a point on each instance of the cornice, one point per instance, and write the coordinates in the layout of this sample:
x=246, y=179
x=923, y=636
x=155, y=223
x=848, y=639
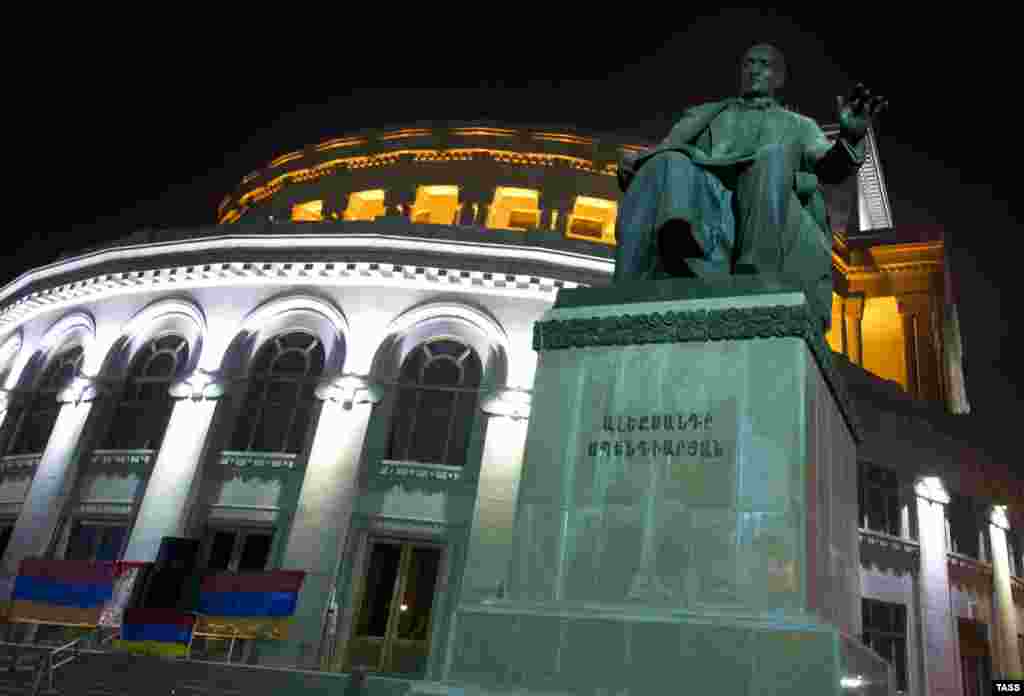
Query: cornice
x=703, y=325
x=545, y=147
x=41, y=291
x=888, y=261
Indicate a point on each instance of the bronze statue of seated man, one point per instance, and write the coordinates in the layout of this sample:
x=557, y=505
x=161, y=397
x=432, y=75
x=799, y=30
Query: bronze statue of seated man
x=734, y=188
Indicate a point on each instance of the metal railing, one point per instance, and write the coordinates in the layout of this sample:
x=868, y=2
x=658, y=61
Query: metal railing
x=64, y=654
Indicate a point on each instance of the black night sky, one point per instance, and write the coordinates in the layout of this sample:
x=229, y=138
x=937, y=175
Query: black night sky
x=122, y=126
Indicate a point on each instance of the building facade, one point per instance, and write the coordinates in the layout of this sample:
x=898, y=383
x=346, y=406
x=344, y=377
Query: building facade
x=336, y=378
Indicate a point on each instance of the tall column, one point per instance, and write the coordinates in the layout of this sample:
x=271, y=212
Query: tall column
x=491, y=538
x=853, y=319
x=52, y=484
x=940, y=649
x=1004, y=612
x=323, y=515
x=920, y=341
x=172, y=485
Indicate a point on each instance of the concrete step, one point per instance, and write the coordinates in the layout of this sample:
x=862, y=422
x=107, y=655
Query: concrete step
x=119, y=674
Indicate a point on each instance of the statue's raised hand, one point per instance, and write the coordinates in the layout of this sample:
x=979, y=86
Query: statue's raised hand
x=856, y=112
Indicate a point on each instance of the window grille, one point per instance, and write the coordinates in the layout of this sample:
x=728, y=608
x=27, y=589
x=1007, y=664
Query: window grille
x=145, y=406
x=32, y=422
x=438, y=390
x=885, y=632
x=280, y=398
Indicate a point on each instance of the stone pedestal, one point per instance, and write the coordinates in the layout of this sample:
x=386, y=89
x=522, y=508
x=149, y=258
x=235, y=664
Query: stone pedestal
x=686, y=517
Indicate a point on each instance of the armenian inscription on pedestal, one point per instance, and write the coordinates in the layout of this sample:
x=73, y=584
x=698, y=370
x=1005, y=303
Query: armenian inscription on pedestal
x=656, y=435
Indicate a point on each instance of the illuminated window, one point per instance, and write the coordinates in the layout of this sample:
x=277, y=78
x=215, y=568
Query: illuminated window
x=365, y=205
x=145, y=407
x=437, y=398
x=593, y=219
x=33, y=421
x=514, y=209
x=436, y=204
x=310, y=211
x=885, y=632
x=280, y=399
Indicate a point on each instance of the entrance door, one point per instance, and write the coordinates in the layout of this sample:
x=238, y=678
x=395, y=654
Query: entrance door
x=392, y=626
x=975, y=659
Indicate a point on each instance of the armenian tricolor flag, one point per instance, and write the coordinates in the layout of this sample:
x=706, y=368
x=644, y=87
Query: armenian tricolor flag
x=69, y=593
x=249, y=605
x=161, y=632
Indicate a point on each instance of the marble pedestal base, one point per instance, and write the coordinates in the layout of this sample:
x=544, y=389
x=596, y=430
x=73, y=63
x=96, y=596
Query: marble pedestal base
x=504, y=651
x=686, y=515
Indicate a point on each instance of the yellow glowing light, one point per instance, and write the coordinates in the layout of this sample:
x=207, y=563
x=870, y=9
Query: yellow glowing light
x=563, y=138
x=310, y=211
x=436, y=204
x=404, y=607
x=514, y=209
x=593, y=219
x=883, y=339
x=340, y=142
x=494, y=132
x=834, y=336
x=365, y=205
x=286, y=158
x=406, y=133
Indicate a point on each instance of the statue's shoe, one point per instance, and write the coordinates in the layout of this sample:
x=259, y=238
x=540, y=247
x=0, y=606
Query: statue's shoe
x=745, y=267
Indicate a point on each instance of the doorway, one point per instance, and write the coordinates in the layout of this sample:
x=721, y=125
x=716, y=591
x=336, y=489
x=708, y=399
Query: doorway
x=975, y=658
x=391, y=633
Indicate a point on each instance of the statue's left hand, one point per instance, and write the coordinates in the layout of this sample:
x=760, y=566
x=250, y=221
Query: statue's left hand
x=856, y=112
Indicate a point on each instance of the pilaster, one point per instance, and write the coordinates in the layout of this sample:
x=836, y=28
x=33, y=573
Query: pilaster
x=474, y=204
x=172, y=485
x=52, y=484
x=398, y=201
x=853, y=318
x=323, y=514
x=919, y=337
x=555, y=209
x=1004, y=612
x=941, y=651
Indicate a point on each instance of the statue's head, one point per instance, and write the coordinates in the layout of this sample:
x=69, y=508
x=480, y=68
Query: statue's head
x=762, y=71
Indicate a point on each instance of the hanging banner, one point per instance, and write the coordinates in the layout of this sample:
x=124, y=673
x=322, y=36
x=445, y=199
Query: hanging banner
x=249, y=605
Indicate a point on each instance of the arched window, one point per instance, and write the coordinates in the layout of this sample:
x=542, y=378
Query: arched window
x=145, y=406
x=32, y=422
x=280, y=398
x=437, y=397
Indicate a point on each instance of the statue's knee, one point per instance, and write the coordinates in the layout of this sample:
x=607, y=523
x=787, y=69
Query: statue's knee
x=672, y=159
x=777, y=153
